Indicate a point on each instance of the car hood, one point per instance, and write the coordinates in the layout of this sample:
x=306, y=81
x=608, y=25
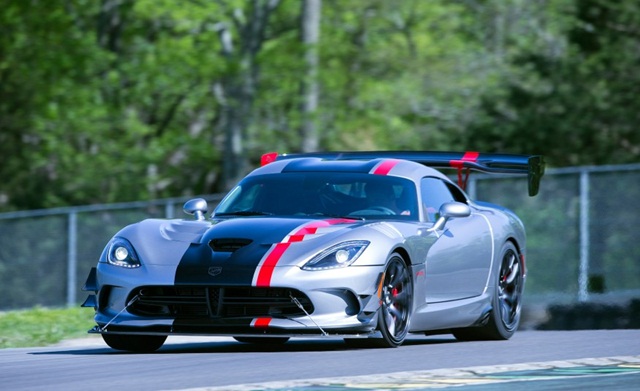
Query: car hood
x=269, y=230
x=236, y=251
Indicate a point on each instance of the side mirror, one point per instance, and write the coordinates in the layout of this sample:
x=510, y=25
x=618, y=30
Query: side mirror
x=448, y=211
x=196, y=207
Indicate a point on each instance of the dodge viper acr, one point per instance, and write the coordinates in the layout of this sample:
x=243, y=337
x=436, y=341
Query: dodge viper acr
x=366, y=246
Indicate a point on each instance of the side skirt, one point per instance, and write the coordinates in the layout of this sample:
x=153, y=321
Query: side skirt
x=451, y=314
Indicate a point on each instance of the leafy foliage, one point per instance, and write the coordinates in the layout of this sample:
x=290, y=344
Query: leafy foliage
x=39, y=326
x=571, y=95
x=119, y=100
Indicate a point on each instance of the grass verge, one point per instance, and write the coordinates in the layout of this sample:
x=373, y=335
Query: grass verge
x=43, y=326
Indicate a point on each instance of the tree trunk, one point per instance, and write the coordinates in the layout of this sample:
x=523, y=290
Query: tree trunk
x=236, y=92
x=110, y=25
x=311, y=11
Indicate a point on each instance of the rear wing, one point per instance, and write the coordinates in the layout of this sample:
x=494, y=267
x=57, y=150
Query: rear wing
x=463, y=162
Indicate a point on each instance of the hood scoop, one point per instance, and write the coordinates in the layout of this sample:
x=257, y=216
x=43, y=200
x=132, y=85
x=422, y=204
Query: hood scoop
x=228, y=245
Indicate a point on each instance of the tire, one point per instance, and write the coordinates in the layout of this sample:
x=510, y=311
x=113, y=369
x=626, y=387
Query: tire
x=504, y=318
x=396, y=303
x=134, y=343
x=263, y=340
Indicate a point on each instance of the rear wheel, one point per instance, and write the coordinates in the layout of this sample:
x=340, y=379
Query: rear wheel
x=134, y=343
x=504, y=319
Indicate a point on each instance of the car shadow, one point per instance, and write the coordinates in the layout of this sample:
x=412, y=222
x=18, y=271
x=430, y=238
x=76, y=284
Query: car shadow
x=232, y=346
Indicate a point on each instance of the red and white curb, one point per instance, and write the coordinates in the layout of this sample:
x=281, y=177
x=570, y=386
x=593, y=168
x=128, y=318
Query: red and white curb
x=443, y=378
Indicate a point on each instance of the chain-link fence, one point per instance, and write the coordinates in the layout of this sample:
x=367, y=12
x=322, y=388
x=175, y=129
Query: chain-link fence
x=582, y=231
x=46, y=255
x=583, y=241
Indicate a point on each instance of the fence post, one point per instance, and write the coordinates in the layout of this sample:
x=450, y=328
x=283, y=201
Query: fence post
x=72, y=257
x=169, y=207
x=583, y=277
x=471, y=188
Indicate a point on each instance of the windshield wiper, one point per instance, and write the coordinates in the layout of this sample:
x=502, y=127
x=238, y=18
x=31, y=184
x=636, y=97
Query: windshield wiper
x=245, y=213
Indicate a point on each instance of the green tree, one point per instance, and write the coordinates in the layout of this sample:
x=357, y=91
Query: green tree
x=395, y=75
x=571, y=94
x=47, y=91
x=121, y=100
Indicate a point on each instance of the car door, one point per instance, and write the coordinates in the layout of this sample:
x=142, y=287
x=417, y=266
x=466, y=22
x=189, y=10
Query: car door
x=459, y=261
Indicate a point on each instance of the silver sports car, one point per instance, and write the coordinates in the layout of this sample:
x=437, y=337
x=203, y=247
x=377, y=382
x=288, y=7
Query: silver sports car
x=367, y=246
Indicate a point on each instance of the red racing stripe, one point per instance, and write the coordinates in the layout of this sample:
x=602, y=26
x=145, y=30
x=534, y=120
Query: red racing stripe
x=266, y=269
x=467, y=157
x=385, y=167
x=260, y=323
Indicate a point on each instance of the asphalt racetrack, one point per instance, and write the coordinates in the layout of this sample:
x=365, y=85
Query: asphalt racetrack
x=531, y=360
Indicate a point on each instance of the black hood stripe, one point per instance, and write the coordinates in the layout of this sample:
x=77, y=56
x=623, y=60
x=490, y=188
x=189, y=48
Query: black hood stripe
x=250, y=265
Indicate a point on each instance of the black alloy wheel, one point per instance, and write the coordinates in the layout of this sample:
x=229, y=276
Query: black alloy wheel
x=395, y=302
x=504, y=318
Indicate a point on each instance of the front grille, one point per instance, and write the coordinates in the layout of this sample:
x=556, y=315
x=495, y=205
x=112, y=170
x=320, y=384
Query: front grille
x=217, y=302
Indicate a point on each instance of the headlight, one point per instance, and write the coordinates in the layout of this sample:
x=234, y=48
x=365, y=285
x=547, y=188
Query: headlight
x=341, y=255
x=121, y=253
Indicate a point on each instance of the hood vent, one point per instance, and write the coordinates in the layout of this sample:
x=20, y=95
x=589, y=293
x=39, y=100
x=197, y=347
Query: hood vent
x=228, y=245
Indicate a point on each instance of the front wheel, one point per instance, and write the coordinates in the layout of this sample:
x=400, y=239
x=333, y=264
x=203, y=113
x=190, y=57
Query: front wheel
x=504, y=319
x=134, y=343
x=396, y=298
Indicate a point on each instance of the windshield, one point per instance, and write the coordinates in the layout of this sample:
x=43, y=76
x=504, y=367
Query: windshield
x=322, y=194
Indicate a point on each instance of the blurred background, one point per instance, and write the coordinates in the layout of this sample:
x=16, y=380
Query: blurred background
x=116, y=110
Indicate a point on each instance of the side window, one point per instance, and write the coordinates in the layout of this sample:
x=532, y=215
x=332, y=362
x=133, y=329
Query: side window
x=434, y=193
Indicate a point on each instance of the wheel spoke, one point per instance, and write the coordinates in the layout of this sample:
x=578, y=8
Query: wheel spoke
x=396, y=312
x=505, y=312
x=391, y=323
x=395, y=278
x=514, y=269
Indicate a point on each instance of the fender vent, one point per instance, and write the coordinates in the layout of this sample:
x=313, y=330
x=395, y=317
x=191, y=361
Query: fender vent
x=228, y=245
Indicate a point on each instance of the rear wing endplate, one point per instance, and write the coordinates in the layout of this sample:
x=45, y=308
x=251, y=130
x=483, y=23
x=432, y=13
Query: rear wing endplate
x=530, y=165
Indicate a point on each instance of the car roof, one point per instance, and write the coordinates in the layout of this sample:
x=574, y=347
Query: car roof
x=377, y=166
